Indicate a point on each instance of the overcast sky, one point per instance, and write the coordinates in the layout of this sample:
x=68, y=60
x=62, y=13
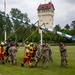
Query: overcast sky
x=64, y=9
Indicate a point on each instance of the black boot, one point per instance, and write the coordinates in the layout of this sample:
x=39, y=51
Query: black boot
x=22, y=65
x=3, y=62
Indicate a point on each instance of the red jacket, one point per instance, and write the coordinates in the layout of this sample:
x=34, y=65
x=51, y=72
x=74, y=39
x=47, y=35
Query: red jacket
x=2, y=52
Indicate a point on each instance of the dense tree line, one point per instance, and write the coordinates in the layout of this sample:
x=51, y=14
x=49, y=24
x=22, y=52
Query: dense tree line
x=12, y=26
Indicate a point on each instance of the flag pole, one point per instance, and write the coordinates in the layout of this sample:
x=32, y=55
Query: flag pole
x=5, y=21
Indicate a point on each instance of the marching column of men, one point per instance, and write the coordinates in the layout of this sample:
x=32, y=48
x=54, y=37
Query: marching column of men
x=32, y=52
x=8, y=55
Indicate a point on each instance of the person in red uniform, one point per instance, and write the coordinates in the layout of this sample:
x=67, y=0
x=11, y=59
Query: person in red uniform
x=27, y=57
x=2, y=53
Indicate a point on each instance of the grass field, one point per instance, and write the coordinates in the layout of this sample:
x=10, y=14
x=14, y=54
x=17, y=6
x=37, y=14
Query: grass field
x=54, y=67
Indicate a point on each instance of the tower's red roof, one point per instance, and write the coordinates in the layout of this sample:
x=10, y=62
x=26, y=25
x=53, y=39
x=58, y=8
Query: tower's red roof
x=45, y=6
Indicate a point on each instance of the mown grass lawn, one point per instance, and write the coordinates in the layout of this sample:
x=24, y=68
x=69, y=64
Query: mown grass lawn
x=54, y=67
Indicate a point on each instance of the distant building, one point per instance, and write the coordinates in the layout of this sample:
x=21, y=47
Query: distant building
x=46, y=14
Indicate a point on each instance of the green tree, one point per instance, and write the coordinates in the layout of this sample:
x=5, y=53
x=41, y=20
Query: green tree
x=2, y=22
x=18, y=14
x=73, y=24
x=57, y=27
x=67, y=27
x=73, y=27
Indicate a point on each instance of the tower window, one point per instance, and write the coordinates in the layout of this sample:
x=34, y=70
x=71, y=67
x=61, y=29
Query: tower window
x=47, y=23
x=47, y=9
x=41, y=20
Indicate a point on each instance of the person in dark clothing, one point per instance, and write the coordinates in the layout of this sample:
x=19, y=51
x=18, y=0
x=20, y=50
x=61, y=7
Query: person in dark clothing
x=7, y=54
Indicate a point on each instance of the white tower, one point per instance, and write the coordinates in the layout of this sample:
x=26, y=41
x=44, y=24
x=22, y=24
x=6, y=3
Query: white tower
x=46, y=14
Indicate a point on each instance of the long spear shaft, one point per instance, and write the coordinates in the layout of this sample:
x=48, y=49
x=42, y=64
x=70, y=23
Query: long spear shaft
x=14, y=32
x=28, y=38
x=24, y=33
